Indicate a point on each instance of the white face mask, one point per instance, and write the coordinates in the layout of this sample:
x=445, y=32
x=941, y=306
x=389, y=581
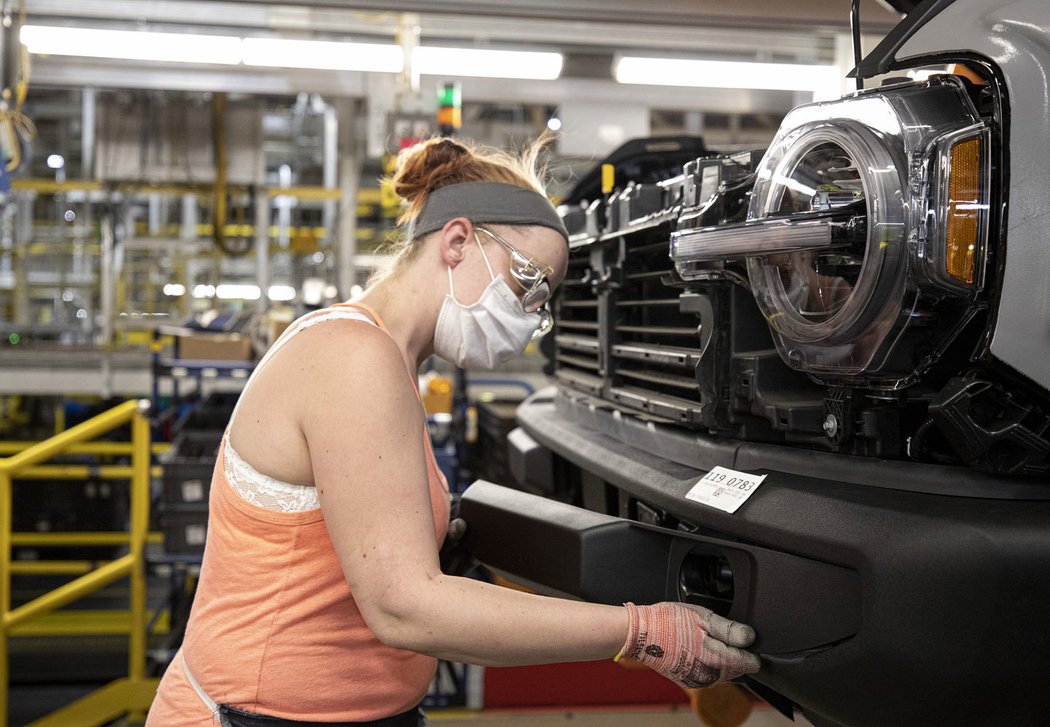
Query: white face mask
x=487, y=333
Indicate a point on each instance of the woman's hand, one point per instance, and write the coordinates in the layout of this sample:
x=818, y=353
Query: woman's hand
x=690, y=645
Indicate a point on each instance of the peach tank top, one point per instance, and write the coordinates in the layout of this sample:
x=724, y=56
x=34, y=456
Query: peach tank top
x=274, y=627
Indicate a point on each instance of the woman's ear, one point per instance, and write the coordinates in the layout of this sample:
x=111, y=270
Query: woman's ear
x=456, y=235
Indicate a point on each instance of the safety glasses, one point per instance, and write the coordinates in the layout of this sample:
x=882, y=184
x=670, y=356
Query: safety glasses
x=529, y=275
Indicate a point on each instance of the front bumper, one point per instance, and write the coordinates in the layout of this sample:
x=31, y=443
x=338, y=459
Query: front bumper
x=875, y=604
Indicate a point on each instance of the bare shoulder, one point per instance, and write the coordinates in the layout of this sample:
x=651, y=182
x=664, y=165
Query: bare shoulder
x=342, y=363
x=351, y=342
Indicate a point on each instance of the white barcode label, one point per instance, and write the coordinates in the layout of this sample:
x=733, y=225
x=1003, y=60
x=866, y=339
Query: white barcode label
x=725, y=489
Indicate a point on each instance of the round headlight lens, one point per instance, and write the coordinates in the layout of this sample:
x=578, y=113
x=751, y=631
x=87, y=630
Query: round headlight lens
x=826, y=304
x=817, y=284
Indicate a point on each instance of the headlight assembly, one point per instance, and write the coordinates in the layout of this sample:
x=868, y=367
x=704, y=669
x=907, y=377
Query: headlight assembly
x=865, y=235
x=823, y=296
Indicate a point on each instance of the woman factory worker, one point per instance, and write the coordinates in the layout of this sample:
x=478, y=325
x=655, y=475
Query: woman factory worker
x=320, y=598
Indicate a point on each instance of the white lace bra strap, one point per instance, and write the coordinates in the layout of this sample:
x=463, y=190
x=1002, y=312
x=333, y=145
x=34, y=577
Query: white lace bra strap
x=265, y=491
x=311, y=319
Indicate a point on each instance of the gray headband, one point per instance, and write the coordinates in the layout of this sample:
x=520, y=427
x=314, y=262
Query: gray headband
x=492, y=202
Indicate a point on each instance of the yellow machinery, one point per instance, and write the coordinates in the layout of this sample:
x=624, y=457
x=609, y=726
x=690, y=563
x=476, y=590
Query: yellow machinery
x=131, y=695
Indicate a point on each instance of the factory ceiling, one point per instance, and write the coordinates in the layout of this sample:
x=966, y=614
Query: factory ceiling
x=589, y=33
x=580, y=17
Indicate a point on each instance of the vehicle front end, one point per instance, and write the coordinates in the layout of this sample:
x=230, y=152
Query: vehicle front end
x=860, y=314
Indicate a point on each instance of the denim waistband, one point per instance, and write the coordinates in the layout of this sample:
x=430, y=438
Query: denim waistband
x=234, y=717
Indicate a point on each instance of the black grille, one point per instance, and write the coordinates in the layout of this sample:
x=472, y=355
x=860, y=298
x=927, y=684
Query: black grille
x=655, y=347
x=576, y=341
x=629, y=329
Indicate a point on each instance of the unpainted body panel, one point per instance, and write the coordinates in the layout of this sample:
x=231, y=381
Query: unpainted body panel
x=1016, y=37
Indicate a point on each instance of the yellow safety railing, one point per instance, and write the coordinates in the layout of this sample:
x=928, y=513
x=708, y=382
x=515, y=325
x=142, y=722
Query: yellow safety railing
x=131, y=695
x=94, y=448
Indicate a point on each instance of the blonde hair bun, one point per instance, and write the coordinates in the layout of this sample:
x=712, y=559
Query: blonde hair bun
x=439, y=162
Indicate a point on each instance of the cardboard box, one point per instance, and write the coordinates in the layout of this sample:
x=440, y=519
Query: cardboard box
x=274, y=328
x=198, y=346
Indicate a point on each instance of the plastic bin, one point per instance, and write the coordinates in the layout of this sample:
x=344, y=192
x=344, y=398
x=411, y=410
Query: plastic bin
x=185, y=529
x=187, y=482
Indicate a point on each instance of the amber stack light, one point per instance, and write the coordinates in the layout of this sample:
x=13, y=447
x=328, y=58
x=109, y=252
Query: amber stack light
x=450, y=108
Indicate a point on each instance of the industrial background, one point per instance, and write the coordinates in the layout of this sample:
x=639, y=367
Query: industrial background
x=181, y=179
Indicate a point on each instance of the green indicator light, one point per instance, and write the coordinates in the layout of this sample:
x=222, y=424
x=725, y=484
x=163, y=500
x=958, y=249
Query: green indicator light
x=450, y=95
x=14, y=338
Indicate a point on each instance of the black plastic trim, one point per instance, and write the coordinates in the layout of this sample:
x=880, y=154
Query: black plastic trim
x=902, y=6
x=570, y=551
x=563, y=550
x=880, y=60
x=555, y=420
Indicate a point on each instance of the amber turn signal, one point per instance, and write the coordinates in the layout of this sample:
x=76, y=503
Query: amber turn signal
x=964, y=209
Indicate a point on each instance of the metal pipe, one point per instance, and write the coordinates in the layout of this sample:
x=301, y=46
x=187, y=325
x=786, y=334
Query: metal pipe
x=106, y=274
x=115, y=449
x=57, y=445
x=283, y=203
x=71, y=591
x=5, y=586
x=190, y=217
x=23, y=237
x=53, y=567
x=65, y=540
x=78, y=622
x=262, y=250
x=330, y=170
x=312, y=193
x=349, y=180
x=82, y=472
x=140, y=461
x=154, y=210
x=218, y=131
x=87, y=134
x=409, y=30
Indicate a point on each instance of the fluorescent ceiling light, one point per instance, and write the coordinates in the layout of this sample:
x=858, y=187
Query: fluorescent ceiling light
x=456, y=62
x=138, y=45
x=230, y=291
x=724, y=74
x=323, y=55
x=281, y=53
x=281, y=292
x=313, y=291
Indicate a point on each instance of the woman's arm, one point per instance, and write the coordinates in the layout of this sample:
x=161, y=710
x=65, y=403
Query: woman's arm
x=364, y=426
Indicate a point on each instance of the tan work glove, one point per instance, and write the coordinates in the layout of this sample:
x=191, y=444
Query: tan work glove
x=690, y=645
